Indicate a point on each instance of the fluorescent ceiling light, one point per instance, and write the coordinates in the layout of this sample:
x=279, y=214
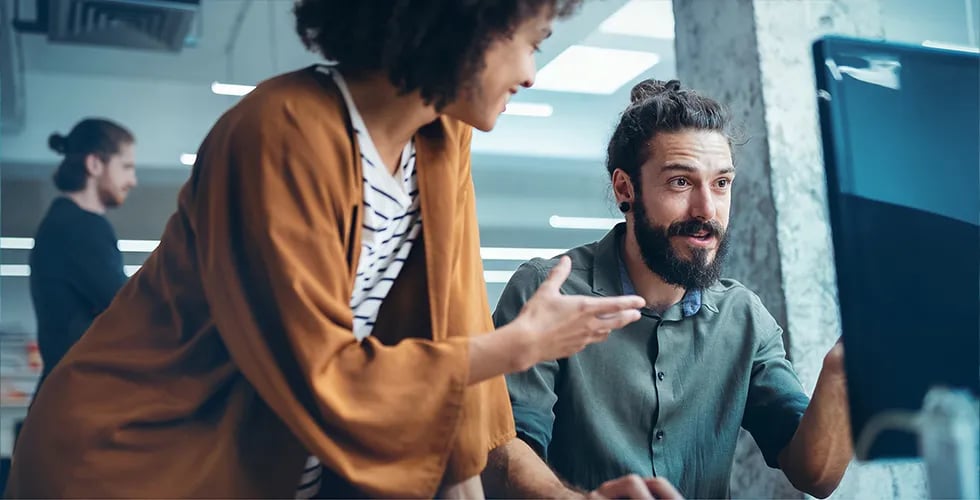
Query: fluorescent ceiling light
x=593, y=70
x=188, y=159
x=145, y=246
x=230, y=88
x=138, y=245
x=497, y=276
x=24, y=270
x=950, y=46
x=646, y=18
x=521, y=254
x=16, y=243
x=603, y=223
x=534, y=109
x=15, y=270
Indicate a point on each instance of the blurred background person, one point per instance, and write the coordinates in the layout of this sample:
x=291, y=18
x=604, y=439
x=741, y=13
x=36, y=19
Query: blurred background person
x=76, y=266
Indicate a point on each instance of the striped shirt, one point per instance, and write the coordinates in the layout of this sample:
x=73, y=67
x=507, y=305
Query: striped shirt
x=391, y=223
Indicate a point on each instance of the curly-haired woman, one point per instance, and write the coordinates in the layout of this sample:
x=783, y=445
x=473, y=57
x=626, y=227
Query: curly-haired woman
x=318, y=296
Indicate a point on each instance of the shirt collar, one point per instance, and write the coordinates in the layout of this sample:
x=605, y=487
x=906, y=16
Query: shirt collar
x=609, y=260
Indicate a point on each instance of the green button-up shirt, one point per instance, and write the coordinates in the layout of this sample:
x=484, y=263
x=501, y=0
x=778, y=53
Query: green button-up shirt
x=663, y=396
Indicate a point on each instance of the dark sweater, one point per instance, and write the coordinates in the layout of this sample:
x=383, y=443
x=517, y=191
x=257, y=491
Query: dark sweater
x=76, y=270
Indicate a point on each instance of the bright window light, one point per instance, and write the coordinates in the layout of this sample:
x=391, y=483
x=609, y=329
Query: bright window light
x=603, y=223
x=147, y=246
x=497, y=276
x=950, y=46
x=533, y=109
x=230, y=88
x=16, y=243
x=593, y=70
x=24, y=270
x=646, y=18
x=188, y=159
x=521, y=254
x=15, y=270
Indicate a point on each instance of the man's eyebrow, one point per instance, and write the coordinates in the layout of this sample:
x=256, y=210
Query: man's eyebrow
x=678, y=166
x=690, y=169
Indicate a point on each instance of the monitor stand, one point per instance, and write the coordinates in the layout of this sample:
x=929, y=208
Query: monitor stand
x=949, y=440
x=948, y=427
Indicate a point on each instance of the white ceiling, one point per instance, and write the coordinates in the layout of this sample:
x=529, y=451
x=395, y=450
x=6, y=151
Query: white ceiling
x=165, y=98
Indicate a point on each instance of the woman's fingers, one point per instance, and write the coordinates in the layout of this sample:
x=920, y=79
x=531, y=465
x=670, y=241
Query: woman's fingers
x=557, y=276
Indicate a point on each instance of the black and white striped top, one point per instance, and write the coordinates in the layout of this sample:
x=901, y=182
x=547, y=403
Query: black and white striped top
x=391, y=222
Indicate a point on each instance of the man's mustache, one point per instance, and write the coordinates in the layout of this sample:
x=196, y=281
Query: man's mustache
x=694, y=226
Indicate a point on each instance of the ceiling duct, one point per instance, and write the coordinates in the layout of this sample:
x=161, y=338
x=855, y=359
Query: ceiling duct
x=11, y=78
x=160, y=25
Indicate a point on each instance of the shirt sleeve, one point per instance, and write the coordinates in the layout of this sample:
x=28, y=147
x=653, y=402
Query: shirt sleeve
x=532, y=393
x=271, y=190
x=776, y=400
x=96, y=268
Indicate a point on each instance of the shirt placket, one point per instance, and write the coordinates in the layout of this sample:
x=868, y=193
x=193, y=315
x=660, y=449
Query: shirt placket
x=665, y=400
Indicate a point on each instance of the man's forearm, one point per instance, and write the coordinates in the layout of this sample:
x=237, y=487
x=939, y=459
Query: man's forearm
x=817, y=456
x=469, y=489
x=514, y=470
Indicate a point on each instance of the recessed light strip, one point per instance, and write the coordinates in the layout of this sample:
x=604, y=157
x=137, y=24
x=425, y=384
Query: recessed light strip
x=146, y=246
x=231, y=88
x=15, y=270
x=9, y=243
x=603, y=223
x=593, y=70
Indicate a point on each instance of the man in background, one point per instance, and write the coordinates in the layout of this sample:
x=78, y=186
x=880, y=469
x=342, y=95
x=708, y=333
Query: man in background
x=76, y=267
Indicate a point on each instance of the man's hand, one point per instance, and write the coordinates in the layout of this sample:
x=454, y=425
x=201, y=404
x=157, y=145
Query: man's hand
x=833, y=362
x=635, y=487
x=815, y=459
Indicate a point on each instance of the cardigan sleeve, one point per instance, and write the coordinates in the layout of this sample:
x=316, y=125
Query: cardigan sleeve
x=488, y=420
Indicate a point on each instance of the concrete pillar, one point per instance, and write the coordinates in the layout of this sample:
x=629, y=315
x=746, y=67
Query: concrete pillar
x=754, y=56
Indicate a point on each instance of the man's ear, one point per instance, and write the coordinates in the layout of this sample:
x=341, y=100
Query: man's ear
x=94, y=165
x=623, y=186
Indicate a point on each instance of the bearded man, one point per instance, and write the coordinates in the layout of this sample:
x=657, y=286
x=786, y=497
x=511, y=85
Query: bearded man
x=663, y=398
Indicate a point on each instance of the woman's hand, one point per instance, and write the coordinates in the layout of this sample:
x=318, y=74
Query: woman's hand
x=550, y=326
x=556, y=326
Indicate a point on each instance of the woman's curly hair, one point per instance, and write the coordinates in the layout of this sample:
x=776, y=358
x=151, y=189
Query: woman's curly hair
x=434, y=46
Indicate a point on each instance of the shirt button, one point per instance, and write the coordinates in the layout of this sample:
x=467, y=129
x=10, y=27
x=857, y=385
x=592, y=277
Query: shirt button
x=660, y=376
x=660, y=435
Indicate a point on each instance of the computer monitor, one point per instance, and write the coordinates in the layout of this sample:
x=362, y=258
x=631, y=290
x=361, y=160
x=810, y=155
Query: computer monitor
x=901, y=141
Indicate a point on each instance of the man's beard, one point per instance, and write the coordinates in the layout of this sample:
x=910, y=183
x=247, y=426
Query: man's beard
x=660, y=256
x=109, y=197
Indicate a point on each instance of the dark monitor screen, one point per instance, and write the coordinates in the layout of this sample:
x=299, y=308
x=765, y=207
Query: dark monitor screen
x=901, y=137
